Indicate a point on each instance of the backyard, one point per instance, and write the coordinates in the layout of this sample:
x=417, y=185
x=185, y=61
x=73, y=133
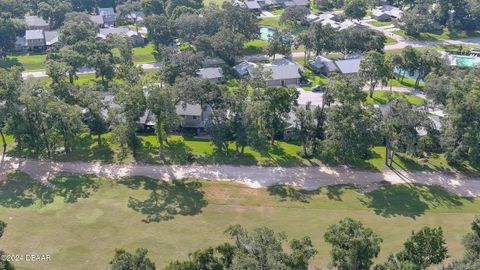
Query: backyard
x=80, y=220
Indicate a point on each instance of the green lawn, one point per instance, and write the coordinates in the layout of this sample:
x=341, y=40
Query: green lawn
x=28, y=61
x=256, y=46
x=391, y=41
x=80, y=221
x=385, y=96
x=145, y=54
x=272, y=22
x=444, y=35
x=379, y=23
x=313, y=78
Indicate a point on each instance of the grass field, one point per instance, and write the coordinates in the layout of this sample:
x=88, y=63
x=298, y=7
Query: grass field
x=384, y=97
x=444, y=35
x=79, y=221
x=256, y=46
x=28, y=61
x=379, y=23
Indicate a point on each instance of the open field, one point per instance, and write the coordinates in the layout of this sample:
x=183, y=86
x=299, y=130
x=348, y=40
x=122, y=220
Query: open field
x=79, y=221
x=28, y=61
x=444, y=35
x=385, y=96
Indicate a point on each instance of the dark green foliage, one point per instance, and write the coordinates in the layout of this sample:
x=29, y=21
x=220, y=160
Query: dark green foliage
x=124, y=260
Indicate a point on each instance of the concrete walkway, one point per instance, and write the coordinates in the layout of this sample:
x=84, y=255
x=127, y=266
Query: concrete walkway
x=253, y=176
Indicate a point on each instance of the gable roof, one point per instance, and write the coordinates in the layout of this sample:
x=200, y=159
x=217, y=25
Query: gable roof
x=282, y=72
x=252, y=5
x=51, y=37
x=387, y=10
x=348, y=66
x=244, y=68
x=34, y=34
x=106, y=11
x=319, y=62
x=35, y=21
x=210, y=73
x=98, y=19
x=189, y=109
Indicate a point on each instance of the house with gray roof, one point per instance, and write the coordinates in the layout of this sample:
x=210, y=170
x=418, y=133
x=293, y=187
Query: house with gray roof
x=35, y=39
x=36, y=23
x=108, y=15
x=193, y=116
x=136, y=37
x=98, y=20
x=348, y=67
x=322, y=65
x=214, y=74
x=245, y=68
x=386, y=13
x=282, y=72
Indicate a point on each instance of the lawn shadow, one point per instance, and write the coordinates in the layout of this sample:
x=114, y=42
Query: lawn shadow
x=179, y=152
x=73, y=188
x=87, y=149
x=166, y=199
x=20, y=190
x=10, y=62
x=409, y=200
x=289, y=193
x=335, y=192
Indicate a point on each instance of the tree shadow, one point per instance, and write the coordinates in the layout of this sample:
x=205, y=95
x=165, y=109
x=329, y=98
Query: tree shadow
x=335, y=192
x=87, y=149
x=409, y=200
x=73, y=188
x=19, y=190
x=10, y=62
x=179, y=152
x=289, y=193
x=166, y=199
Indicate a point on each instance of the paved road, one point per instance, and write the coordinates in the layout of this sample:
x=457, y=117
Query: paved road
x=253, y=176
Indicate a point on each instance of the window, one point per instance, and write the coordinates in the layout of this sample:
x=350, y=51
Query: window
x=194, y=117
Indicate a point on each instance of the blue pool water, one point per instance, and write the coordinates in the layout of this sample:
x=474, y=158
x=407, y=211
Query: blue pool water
x=266, y=33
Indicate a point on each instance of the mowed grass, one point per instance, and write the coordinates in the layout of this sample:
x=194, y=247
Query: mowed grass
x=80, y=221
x=384, y=96
x=444, y=35
x=27, y=61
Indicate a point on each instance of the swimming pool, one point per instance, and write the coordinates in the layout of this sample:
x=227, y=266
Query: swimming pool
x=266, y=33
x=466, y=61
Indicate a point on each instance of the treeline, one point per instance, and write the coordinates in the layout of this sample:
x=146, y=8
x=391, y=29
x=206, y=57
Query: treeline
x=353, y=247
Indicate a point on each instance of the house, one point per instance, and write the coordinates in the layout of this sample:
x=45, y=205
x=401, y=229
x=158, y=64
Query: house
x=136, y=37
x=35, y=39
x=135, y=16
x=97, y=20
x=386, y=13
x=291, y=3
x=282, y=72
x=36, y=23
x=348, y=67
x=245, y=68
x=108, y=15
x=213, y=74
x=193, y=116
x=52, y=38
x=322, y=65
x=211, y=62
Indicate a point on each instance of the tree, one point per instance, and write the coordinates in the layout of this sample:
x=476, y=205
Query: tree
x=101, y=59
x=180, y=63
x=400, y=124
x=425, y=247
x=260, y=248
x=279, y=101
x=353, y=245
x=152, y=7
x=279, y=44
x=355, y=9
x=460, y=134
x=10, y=28
x=123, y=260
x=324, y=38
x=357, y=39
x=417, y=20
x=94, y=116
x=54, y=11
x=429, y=61
x=373, y=68
x=132, y=106
x=471, y=241
x=160, y=101
x=10, y=82
x=4, y=264
x=159, y=30
x=305, y=126
x=437, y=88
x=351, y=128
x=294, y=14
x=228, y=45
x=77, y=27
